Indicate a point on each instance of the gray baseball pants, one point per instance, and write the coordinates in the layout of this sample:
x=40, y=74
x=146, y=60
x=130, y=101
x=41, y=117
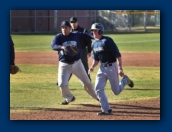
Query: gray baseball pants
x=108, y=73
x=65, y=70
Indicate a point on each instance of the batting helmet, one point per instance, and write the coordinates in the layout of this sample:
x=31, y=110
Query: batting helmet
x=98, y=26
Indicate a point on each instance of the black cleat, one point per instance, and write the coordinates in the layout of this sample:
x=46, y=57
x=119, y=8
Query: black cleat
x=129, y=82
x=109, y=112
x=65, y=102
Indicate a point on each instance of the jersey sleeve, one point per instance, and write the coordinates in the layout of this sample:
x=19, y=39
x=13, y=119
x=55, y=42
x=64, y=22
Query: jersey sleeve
x=12, y=52
x=113, y=49
x=56, y=45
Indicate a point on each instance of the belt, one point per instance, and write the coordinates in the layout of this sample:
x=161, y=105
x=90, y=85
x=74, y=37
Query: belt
x=70, y=63
x=106, y=65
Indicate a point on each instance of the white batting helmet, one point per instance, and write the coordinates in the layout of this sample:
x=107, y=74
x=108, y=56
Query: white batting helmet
x=97, y=26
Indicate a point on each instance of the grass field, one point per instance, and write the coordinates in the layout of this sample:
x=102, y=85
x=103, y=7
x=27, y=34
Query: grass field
x=126, y=42
x=35, y=85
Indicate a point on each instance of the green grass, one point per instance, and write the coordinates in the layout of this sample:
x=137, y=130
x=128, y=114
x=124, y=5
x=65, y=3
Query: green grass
x=138, y=42
x=32, y=42
x=149, y=42
x=35, y=87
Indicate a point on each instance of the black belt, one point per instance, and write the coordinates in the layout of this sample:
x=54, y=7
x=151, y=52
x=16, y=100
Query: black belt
x=106, y=65
x=70, y=63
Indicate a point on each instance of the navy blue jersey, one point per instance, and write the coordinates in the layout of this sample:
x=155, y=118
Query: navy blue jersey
x=12, y=54
x=105, y=50
x=73, y=39
x=84, y=42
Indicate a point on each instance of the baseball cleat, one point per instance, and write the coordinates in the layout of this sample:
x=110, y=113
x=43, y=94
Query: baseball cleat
x=131, y=84
x=109, y=112
x=65, y=102
x=129, y=81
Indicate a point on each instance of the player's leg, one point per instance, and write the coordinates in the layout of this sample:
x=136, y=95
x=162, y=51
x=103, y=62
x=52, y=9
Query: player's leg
x=70, y=77
x=100, y=84
x=64, y=72
x=79, y=71
x=113, y=76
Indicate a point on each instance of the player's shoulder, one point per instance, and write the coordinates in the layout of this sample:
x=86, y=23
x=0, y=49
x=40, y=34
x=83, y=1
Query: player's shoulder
x=58, y=35
x=106, y=37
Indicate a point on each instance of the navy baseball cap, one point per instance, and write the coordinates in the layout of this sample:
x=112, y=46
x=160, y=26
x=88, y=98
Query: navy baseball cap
x=73, y=19
x=65, y=23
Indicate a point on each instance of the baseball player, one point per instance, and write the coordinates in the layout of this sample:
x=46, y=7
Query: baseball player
x=13, y=68
x=69, y=52
x=106, y=51
x=12, y=54
x=85, y=43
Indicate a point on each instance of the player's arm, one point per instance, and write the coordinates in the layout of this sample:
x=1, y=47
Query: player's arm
x=112, y=48
x=56, y=44
x=115, y=52
x=120, y=70
x=94, y=64
x=12, y=52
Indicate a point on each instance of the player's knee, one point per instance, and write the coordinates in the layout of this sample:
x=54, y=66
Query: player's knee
x=98, y=92
x=116, y=92
x=61, y=84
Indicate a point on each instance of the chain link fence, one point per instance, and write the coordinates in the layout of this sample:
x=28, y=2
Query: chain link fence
x=129, y=20
x=45, y=21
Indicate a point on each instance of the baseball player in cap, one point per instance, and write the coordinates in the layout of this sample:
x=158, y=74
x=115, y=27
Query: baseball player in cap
x=70, y=61
x=106, y=52
x=85, y=43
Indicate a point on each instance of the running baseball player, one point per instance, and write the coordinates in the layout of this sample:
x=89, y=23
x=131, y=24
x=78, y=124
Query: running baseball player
x=69, y=52
x=106, y=51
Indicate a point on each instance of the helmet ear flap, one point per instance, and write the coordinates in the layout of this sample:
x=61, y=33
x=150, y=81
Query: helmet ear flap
x=100, y=32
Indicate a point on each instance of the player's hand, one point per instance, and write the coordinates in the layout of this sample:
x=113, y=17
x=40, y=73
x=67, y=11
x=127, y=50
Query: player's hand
x=121, y=73
x=63, y=47
x=90, y=70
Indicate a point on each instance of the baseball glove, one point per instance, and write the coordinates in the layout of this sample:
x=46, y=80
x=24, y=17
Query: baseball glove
x=14, y=69
x=71, y=51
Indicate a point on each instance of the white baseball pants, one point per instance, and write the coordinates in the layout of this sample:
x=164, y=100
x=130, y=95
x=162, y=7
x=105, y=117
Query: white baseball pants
x=64, y=71
x=108, y=73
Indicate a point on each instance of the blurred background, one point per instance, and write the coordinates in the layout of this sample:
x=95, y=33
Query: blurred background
x=47, y=21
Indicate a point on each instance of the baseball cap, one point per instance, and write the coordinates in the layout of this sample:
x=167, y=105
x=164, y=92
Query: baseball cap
x=65, y=23
x=73, y=19
x=97, y=26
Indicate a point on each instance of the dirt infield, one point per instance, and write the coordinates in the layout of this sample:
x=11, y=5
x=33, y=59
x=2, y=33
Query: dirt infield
x=129, y=59
x=142, y=110
x=136, y=110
